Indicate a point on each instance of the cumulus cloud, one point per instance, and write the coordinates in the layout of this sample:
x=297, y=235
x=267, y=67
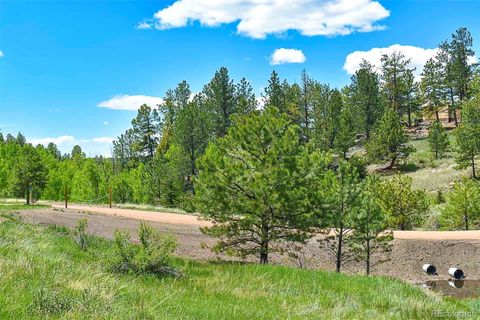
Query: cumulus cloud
x=259, y=18
x=1, y=54
x=418, y=56
x=58, y=140
x=93, y=146
x=282, y=55
x=130, y=102
x=102, y=140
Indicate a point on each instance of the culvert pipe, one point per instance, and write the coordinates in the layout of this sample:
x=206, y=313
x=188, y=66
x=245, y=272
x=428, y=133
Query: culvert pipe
x=456, y=273
x=430, y=269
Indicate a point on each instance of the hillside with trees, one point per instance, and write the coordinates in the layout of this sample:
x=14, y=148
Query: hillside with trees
x=308, y=157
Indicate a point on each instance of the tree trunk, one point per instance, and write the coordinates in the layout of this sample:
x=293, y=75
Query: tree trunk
x=465, y=218
x=339, y=250
x=368, y=257
x=437, y=115
x=409, y=118
x=28, y=195
x=473, y=168
x=264, y=253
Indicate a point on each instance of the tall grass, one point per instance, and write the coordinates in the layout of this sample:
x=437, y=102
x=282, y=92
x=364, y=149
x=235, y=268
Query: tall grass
x=44, y=274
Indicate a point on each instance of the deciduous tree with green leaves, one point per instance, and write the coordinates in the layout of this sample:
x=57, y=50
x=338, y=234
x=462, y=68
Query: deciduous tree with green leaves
x=260, y=186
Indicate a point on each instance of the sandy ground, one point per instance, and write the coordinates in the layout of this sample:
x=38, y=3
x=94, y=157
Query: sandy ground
x=410, y=250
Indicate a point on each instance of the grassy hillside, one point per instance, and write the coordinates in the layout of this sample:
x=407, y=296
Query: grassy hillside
x=45, y=275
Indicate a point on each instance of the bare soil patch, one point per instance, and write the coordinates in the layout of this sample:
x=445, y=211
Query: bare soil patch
x=411, y=249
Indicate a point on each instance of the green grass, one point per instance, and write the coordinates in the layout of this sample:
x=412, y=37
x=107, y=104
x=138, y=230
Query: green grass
x=17, y=206
x=45, y=275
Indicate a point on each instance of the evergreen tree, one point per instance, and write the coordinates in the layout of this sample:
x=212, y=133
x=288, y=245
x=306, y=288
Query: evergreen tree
x=461, y=48
x=77, y=152
x=21, y=139
x=2, y=140
x=389, y=140
x=468, y=135
x=345, y=138
x=433, y=87
x=274, y=95
x=345, y=193
x=220, y=100
x=369, y=224
x=394, y=67
x=245, y=97
x=463, y=206
x=329, y=105
x=366, y=97
x=192, y=136
x=53, y=150
x=306, y=107
x=146, y=128
x=405, y=208
x=411, y=102
x=29, y=172
x=259, y=185
x=438, y=139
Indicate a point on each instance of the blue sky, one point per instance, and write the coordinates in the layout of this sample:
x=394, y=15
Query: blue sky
x=61, y=61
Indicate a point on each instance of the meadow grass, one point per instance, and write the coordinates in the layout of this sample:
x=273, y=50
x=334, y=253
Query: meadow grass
x=44, y=274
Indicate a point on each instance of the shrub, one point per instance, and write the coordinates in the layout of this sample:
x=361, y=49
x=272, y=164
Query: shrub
x=152, y=256
x=80, y=234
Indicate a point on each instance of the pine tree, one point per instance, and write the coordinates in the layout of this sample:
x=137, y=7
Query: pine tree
x=260, y=185
x=468, y=135
x=369, y=224
x=29, y=172
x=406, y=208
x=389, y=140
x=366, y=97
x=394, y=67
x=345, y=138
x=438, y=139
x=220, y=100
x=274, y=95
x=146, y=129
x=345, y=196
x=463, y=206
x=245, y=97
x=433, y=90
x=192, y=136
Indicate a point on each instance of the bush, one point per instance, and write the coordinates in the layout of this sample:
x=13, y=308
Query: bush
x=152, y=256
x=80, y=234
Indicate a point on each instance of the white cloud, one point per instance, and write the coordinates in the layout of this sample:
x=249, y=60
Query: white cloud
x=92, y=147
x=1, y=54
x=58, y=140
x=130, y=102
x=144, y=25
x=259, y=18
x=282, y=55
x=419, y=56
x=105, y=123
x=102, y=140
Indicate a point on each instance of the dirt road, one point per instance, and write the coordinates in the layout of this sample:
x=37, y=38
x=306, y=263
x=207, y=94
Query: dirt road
x=409, y=251
x=191, y=220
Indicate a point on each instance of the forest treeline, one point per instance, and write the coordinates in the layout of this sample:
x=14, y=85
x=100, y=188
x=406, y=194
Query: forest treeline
x=213, y=150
